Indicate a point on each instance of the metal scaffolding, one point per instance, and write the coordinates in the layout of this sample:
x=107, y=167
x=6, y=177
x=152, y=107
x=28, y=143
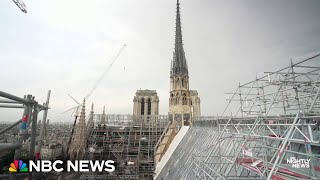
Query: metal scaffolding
x=273, y=132
x=276, y=123
x=128, y=140
x=28, y=121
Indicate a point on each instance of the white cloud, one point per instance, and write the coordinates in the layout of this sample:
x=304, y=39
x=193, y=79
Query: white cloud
x=94, y=16
x=65, y=45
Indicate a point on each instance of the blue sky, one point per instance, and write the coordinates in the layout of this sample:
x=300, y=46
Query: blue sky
x=65, y=45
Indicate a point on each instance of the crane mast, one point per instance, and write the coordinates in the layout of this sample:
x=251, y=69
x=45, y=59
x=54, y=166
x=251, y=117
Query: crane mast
x=21, y=5
x=105, y=72
x=88, y=95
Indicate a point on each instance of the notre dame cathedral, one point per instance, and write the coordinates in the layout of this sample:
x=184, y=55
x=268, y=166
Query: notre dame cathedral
x=184, y=104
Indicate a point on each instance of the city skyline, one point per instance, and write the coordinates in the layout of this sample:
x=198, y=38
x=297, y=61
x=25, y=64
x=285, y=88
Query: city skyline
x=65, y=47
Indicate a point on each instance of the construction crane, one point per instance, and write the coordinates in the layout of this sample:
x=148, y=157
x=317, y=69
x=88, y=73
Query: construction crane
x=76, y=108
x=105, y=72
x=21, y=5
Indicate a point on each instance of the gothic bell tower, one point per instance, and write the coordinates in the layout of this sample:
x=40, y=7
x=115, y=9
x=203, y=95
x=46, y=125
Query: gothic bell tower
x=183, y=105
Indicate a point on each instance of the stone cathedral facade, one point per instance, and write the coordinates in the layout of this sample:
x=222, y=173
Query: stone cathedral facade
x=145, y=102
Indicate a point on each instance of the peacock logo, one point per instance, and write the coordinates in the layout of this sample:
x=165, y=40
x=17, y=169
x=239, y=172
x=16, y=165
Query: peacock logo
x=18, y=165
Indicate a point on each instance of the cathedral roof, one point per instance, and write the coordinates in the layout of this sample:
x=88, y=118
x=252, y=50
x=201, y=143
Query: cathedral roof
x=179, y=64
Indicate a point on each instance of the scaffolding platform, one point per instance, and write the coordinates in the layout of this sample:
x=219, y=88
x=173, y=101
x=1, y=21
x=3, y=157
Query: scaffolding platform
x=129, y=141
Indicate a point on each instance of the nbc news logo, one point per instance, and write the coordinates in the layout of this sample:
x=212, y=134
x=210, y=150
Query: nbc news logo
x=57, y=166
x=18, y=165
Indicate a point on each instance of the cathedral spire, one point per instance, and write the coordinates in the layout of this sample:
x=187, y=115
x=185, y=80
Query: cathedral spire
x=90, y=121
x=179, y=66
x=103, y=116
x=78, y=143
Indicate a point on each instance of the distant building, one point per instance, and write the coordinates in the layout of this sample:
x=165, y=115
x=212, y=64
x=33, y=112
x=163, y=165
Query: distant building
x=51, y=151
